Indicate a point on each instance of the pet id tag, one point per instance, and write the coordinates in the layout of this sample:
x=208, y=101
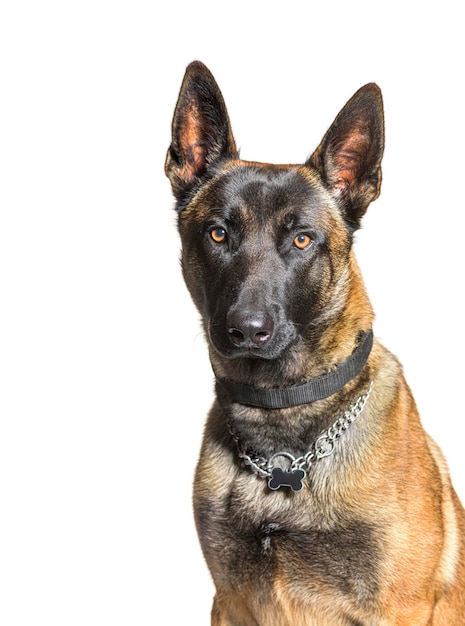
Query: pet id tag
x=292, y=478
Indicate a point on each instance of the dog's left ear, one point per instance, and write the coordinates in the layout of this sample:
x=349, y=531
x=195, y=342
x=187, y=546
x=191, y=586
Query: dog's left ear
x=201, y=131
x=349, y=157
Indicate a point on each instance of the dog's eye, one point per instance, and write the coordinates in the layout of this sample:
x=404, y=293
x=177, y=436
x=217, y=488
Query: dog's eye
x=218, y=234
x=302, y=241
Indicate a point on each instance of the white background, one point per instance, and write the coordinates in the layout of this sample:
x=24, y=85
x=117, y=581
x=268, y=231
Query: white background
x=105, y=380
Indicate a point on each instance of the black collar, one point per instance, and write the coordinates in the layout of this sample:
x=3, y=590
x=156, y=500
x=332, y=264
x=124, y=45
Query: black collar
x=302, y=393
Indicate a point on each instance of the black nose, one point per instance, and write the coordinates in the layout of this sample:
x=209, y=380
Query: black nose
x=249, y=329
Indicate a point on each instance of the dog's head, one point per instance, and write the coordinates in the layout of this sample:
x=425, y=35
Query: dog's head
x=266, y=249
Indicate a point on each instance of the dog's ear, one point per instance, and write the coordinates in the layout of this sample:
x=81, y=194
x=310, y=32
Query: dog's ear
x=349, y=157
x=201, y=131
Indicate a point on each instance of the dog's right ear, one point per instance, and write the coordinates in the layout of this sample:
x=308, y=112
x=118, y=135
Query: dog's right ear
x=201, y=131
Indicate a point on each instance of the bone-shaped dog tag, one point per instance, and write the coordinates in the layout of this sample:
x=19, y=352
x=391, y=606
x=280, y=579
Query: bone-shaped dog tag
x=282, y=478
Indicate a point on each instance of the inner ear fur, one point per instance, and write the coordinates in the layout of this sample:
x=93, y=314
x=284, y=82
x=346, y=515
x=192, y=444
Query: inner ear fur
x=348, y=158
x=201, y=131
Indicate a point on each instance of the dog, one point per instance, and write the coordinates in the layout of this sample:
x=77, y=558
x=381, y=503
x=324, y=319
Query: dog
x=319, y=499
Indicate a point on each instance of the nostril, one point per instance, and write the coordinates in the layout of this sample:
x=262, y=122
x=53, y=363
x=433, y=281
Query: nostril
x=236, y=334
x=262, y=336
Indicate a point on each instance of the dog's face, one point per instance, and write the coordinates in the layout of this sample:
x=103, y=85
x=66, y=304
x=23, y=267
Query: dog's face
x=257, y=257
x=266, y=249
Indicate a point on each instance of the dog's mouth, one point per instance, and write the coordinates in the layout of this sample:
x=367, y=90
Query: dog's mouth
x=246, y=353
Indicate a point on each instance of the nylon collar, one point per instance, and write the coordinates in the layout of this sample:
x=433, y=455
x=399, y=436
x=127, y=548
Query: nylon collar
x=302, y=393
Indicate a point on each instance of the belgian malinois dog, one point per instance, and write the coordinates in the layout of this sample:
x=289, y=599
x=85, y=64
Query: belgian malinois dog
x=319, y=499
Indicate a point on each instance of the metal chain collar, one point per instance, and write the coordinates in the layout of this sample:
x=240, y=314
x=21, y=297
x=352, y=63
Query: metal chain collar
x=323, y=446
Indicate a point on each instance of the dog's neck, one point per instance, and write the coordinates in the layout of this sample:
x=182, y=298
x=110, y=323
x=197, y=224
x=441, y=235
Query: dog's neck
x=306, y=392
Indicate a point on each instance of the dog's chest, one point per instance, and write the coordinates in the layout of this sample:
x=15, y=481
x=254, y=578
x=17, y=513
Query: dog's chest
x=260, y=546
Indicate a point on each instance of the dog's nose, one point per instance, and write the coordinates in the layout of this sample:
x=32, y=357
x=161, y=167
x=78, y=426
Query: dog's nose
x=249, y=329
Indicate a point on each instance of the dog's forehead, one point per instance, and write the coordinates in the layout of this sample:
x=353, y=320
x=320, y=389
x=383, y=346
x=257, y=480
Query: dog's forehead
x=266, y=190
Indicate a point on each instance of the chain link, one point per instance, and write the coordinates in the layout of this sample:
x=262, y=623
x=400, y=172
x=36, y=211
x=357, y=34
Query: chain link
x=323, y=446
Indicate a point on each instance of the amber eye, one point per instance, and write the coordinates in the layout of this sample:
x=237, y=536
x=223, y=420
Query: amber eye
x=218, y=235
x=302, y=241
